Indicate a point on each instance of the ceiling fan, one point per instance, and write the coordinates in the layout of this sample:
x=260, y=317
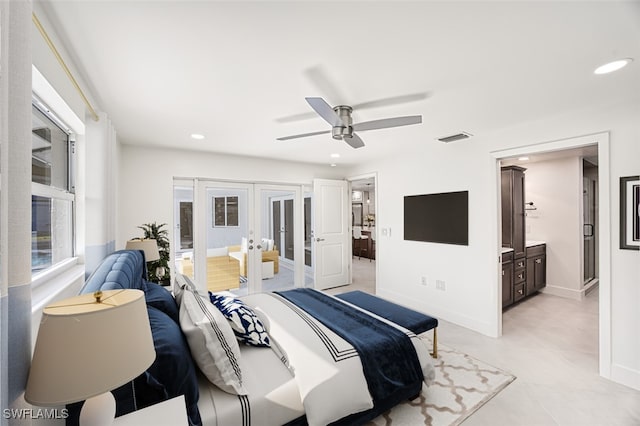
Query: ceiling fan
x=342, y=126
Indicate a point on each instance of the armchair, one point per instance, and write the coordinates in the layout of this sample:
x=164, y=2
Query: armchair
x=223, y=271
x=269, y=254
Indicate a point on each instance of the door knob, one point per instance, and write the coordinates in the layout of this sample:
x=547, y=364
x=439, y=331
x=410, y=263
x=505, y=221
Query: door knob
x=319, y=239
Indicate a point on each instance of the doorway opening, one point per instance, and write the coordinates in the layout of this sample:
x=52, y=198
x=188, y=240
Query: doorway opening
x=590, y=219
x=577, y=268
x=363, y=225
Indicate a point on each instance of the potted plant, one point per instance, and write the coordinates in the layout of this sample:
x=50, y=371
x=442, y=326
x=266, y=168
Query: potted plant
x=158, y=270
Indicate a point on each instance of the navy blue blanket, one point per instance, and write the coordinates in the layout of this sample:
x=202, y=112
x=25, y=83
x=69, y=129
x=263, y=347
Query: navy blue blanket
x=389, y=359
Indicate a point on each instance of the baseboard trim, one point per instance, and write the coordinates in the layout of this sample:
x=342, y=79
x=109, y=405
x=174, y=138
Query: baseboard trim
x=442, y=314
x=570, y=293
x=625, y=376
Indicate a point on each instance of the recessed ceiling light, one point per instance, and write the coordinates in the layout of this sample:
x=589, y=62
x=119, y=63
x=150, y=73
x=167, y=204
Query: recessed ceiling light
x=333, y=164
x=523, y=158
x=197, y=136
x=612, y=66
x=335, y=155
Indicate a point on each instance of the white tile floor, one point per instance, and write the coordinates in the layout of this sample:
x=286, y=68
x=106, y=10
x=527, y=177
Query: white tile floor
x=551, y=345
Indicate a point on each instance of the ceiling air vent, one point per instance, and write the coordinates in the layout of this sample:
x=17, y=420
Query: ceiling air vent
x=456, y=137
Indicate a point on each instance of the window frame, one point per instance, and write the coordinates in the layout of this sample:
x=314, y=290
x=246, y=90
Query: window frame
x=67, y=277
x=226, y=214
x=58, y=194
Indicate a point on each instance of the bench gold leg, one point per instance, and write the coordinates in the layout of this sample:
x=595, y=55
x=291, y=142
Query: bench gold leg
x=434, y=354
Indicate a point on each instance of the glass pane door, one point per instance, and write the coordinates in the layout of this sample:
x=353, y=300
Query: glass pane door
x=183, y=227
x=228, y=243
x=240, y=237
x=282, y=237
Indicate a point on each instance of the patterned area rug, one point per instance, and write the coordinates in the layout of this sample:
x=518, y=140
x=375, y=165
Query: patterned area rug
x=462, y=385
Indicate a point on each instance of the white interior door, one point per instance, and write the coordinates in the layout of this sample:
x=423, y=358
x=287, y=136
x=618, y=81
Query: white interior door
x=331, y=233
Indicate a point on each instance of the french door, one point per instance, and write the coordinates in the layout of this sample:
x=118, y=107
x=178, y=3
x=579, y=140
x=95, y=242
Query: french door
x=249, y=238
x=235, y=244
x=282, y=221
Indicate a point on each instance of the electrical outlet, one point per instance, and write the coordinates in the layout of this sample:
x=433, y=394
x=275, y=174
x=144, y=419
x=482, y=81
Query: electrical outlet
x=423, y=280
x=440, y=285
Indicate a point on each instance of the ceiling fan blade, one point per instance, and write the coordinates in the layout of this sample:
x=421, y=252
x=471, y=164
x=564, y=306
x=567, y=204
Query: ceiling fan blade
x=297, y=117
x=354, y=141
x=303, y=135
x=319, y=77
x=394, y=100
x=388, y=122
x=325, y=111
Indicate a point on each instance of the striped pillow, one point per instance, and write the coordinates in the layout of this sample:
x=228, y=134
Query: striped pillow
x=213, y=345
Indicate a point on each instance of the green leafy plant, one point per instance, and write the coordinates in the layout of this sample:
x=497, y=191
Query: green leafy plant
x=158, y=270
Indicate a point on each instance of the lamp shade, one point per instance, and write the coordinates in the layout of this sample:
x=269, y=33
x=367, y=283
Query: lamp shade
x=149, y=247
x=87, y=347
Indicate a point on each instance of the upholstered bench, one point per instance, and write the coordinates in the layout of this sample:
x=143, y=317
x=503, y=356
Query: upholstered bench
x=405, y=317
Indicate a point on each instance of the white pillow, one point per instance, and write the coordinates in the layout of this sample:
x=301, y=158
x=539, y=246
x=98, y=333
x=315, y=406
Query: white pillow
x=267, y=244
x=217, y=252
x=212, y=342
x=181, y=282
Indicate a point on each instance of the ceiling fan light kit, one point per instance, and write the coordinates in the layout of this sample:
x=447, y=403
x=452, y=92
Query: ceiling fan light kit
x=342, y=127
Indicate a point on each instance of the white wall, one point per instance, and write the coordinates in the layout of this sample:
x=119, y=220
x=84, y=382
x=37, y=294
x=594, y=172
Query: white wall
x=146, y=180
x=471, y=272
x=555, y=188
x=15, y=203
x=401, y=264
x=100, y=193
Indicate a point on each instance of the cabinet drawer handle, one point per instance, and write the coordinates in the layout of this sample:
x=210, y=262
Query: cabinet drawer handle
x=520, y=264
x=503, y=273
x=520, y=291
x=521, y=275
x=538, y=260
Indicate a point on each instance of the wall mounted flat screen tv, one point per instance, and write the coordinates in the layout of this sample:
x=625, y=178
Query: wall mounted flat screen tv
x=437, y=218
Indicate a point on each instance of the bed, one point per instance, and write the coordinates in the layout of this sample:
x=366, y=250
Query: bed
x=284, y=358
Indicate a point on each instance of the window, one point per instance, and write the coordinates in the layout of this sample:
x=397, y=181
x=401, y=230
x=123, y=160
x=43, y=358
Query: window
x=225, y=211
x=52, y=191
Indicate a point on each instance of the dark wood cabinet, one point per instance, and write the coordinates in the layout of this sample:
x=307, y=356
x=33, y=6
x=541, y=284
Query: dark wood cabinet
x=519, y=278
x=507, y=282
x=527, y=264
x=365, y=247
x=536, y=268
x=512, y=194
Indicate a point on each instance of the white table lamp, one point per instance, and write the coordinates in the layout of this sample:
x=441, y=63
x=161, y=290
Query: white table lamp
x=148, y=246
x=150, y=249
x=87, y=346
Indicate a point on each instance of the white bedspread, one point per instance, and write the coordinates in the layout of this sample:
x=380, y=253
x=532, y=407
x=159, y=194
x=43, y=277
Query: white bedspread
x=273, y=397
x=327, y=369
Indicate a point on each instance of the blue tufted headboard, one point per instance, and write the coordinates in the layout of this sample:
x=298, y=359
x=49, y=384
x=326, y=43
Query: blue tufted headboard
x=173, y=372
x=119, y=270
